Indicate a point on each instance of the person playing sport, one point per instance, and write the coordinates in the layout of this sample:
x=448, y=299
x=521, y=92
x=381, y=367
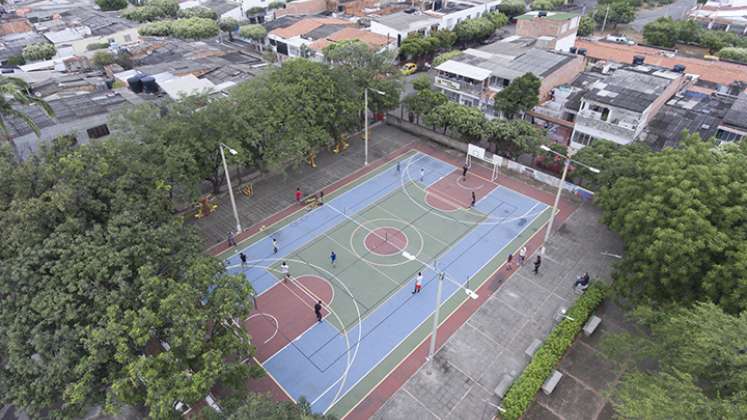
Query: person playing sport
x=333, y=258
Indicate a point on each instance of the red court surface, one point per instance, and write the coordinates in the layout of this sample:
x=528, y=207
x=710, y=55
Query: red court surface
x=292, y=306
x=386, y=241
x=454, y=192
x=285, y=312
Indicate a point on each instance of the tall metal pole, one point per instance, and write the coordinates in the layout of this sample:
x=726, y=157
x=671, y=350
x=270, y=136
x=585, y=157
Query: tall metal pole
x=555, y=204
x=365, y=134
x=230, y=190
x=435, y=317
x=604, y=23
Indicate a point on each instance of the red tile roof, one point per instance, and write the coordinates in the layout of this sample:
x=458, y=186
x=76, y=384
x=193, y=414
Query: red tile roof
x=374, y=41
x=713, y=71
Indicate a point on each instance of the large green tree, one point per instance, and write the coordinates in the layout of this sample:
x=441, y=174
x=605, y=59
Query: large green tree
x=521, y=95
x=513, y=137
x=700, y=354
x=96, y=272
x=683, y=222
x=619, y=11
x=616, y=160
x=423, y=101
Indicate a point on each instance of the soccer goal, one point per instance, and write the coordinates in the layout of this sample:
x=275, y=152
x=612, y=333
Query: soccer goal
x=480, y=153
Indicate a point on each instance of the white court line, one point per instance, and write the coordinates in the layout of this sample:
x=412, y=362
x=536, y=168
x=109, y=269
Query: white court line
x=443, y=301
x=275, y=320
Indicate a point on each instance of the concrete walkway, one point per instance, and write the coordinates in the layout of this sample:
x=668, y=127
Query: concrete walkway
x=492, y=342
x=274, y=193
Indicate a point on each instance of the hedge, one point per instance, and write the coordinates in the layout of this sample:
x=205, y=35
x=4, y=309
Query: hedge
x=525, y=387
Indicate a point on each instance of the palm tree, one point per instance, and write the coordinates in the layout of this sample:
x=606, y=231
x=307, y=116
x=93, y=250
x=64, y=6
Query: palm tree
x=14, y=91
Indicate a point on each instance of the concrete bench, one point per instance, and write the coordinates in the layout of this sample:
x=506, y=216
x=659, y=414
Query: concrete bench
x=504, y=385
x=532, y=348
x=549, y=386
x=591, y=325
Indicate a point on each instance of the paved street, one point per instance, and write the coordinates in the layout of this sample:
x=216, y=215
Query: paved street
x=274, y=193
x=492, y=342
x=676, y=11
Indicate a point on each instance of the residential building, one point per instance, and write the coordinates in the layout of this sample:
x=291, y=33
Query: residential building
x=375, y=41
x=557, y=29
x=402, y=24
x=12, y=45
x=84, y=116
x=695, y=112
x=294, y=40
x=474, y=77
x=14, y=25
x=713, y=76
x=734, y=125
x=621, y=103
x=722, y=15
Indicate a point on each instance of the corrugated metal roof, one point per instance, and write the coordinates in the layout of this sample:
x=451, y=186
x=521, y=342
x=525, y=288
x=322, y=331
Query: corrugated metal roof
x=464, y=69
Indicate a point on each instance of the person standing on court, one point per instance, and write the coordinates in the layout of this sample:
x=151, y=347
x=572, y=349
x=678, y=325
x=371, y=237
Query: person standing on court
x=537, y=264
x=510, y=258
x=422, y=174
x=318, y=311
x=321, y=197
x=465, y=168
x=474, y=199
x=285, y=271
x=522, y=255
x=418, y=283
x=243, y=258
x=274, y=246
x=398, y=166
x=333, y=258
x=298, y=194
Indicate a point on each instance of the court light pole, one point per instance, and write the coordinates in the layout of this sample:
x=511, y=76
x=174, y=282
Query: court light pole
x=566, y=164
x=441, y=278
x=365, y=116
x=228, y=182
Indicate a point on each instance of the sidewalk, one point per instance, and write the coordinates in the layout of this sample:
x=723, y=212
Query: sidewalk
x=275, y=193
x=492, y=342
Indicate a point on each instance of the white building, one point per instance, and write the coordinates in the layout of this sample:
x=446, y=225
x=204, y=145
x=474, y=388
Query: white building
x=399, y=25
x=723, y=15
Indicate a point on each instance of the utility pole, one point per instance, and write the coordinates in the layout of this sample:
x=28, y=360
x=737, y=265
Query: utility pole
x=604, y=24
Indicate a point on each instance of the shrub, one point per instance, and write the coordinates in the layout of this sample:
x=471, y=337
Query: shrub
x=194, y=28
x=97, y=46
x=162, y=28
x=153, y=10
x=107, y=5
x=512, y=8
x=524, y=389
x=276, y=5
x=198, y=11
x=734, y=54
x=102, y=58
x=40, y=51
x=253, y=32
x=442, y=58
x=16, y=60
x=255, y=11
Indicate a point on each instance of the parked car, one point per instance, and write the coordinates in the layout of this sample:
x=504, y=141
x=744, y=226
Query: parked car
x=409, y=68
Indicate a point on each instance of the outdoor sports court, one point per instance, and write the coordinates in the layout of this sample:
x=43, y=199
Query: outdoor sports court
x=385, y=227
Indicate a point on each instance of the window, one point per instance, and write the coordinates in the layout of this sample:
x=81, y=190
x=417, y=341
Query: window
x=112, y=40
x=602, y=110
x=98, y=131
x=727, y=136
x=582, y=138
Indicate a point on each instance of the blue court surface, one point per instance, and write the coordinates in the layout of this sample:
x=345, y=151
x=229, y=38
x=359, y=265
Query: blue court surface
x=384, y=229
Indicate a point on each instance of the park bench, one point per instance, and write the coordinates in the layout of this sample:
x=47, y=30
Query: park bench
x=532, y=348
x=591, y=325
x=504, y=385
x=549, y=386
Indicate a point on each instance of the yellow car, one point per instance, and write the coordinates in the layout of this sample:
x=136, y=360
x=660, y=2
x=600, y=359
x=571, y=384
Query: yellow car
x=409, y=68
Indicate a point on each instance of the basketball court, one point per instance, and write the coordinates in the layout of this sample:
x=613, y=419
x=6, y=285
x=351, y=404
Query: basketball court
x=411, y=215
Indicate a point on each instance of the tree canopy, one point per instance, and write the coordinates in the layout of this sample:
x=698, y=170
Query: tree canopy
x=521, y=95
x=700, y=353
x=681, y=215
x=14, y=92
x=40, y=51
x=254, y=32
x=107, y=5
x=96, y=273
x=197, y=11
x=153, y=10
x=620, y=11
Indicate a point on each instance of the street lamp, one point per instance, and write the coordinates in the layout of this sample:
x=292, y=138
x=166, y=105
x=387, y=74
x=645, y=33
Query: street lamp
x=365, y=113
x=560, y=188
x=441, y=278
x=233, y=152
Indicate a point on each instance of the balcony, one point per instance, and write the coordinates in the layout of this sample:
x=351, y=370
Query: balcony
x=587, y=113
x=474, y=89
